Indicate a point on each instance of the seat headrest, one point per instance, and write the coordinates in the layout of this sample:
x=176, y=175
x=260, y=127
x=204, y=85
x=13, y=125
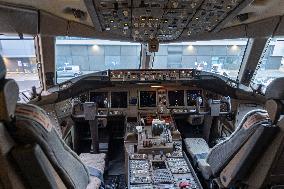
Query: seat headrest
x=2, y=68
x=275, y=89
x=274, y=109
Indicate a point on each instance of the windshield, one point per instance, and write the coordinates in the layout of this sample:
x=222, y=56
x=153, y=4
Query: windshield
x=79, y=56
x=272, y=64
x=222, y=57
x=20, y=61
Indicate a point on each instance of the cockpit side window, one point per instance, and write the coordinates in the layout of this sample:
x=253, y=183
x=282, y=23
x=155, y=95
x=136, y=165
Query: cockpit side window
x=20, y=60
x=271, y=66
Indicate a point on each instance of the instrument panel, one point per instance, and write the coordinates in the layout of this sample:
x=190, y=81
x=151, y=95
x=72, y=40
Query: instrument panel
x=146, y=97
x=134, y=99
x=131, y=92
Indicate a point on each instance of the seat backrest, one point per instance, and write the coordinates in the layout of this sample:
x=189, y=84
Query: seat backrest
x=222, y=153
x=9, y=177
x=237, y=170
x=269, y=170
x=9, y=93
x=46, y=160
x=33, y=126
x=259, y=162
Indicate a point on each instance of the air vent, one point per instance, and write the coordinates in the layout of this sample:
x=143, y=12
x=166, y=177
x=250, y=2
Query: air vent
x=243, y=17
x=77, y=13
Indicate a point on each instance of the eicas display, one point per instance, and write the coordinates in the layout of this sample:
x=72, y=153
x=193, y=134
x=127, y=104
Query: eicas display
x=176, y=98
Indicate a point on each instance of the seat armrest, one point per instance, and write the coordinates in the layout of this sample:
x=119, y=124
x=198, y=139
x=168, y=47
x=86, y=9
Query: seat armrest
x=204, y=168
x=96, y=166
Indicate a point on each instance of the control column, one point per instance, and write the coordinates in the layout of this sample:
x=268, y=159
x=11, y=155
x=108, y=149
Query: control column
x=90, y=113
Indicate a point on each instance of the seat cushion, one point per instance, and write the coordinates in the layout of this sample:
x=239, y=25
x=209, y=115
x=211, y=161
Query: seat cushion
x=197, y=148
x=96, y=165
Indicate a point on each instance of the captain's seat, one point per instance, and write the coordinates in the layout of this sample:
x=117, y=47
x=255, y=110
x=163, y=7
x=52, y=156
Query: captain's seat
x=210, y=162
x=32, y=150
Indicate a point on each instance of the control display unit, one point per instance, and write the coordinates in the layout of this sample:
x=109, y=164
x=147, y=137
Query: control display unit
x=118, y=99
x=147, y=99
x=192, y=95
x=176, y=98
x=101, y=98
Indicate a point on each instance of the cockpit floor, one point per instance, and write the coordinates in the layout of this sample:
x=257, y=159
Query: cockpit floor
x=115, y=177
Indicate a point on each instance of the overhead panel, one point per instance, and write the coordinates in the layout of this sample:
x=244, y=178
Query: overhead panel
x=165, y=20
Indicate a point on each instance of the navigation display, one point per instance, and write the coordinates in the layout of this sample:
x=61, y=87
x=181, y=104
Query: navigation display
x=147, y=99
x=192, y=95
x=119, y=99
x=176, y=98
x=101, y=98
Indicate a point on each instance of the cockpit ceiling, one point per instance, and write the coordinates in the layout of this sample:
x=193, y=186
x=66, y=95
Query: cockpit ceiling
x=165, y=20
x=60, y=8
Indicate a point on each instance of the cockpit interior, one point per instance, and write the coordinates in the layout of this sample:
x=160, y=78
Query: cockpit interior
x=139, y=94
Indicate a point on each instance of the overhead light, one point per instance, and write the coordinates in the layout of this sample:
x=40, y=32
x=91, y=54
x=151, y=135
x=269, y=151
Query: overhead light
x=96, y=47
x=157, y=86
x=235, y=47
x=190, y=47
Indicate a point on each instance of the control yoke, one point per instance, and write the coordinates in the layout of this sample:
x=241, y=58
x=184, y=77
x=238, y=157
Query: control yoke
x=91, y=114
x=215, y=108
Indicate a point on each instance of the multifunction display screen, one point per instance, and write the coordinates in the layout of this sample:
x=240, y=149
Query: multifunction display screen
x=147, y=99
x=101, y=98
x=192, y=95
x=176, y=98
x=118, y=99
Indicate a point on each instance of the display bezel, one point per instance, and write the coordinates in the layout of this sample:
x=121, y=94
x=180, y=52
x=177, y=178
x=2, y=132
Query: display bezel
x=127, y=99
x=100, y=92
x=184, y=99
x=147, y=107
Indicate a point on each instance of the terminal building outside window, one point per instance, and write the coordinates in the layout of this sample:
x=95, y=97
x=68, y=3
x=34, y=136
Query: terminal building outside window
x=79, y=56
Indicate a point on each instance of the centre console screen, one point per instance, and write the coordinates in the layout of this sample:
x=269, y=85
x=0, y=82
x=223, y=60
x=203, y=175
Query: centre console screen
x=176, y=98
x=101, y=98
x=147, y=99
x=192, y=95
x=119, y=99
